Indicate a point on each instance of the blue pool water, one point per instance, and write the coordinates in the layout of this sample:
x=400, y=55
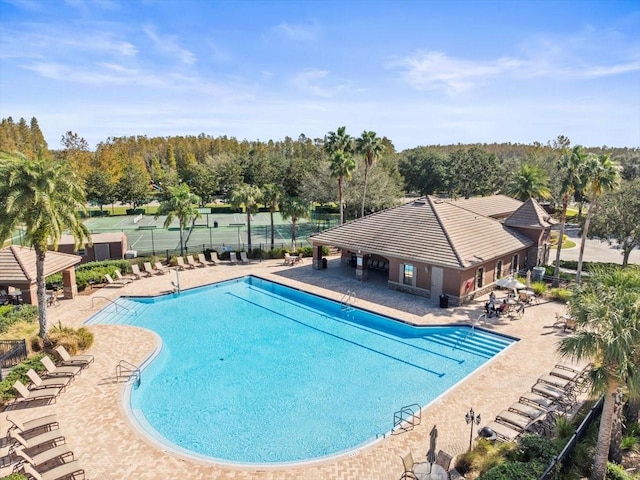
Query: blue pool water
x=255, y=372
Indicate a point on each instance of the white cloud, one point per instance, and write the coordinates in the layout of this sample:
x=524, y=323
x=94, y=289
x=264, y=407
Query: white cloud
x=169, y=44
x=297, y=31
x=311, y=82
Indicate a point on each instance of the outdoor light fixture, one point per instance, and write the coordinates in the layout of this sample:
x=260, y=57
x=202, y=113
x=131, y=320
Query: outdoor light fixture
x=472, y=418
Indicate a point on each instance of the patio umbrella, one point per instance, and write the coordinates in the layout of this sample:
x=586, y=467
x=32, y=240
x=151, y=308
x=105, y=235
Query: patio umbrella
x=509, y=282
x=431, y=454
x=528, y=279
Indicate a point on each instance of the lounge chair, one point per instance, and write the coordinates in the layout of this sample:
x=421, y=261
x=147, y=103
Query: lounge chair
x=149, y=269
x=203, y=260
x=63, y=371
x=182, y=265
x=288, y=260
x=517, y=420
x=233, y=258
x=137, y=273
x=160, y=269
x=67, y=359
x=556, y=381
x=47, y=421
x=39, y=383
x=122, y=278
x=31, y=395
x=214, y=257
x=503, y=432
x=444, y=460
x=414, y=470
x=60, y=453
x=191, y=262
x=537, y=400
x=243, y=257
x=51, y=437
x=113, y=283
x=66, y=470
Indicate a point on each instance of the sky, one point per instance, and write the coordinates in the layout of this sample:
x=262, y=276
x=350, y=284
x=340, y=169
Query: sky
x=418, y=72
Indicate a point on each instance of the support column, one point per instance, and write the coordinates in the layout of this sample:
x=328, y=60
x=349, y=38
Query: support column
x=69, y=286
x=361, y=267
x=317, y=257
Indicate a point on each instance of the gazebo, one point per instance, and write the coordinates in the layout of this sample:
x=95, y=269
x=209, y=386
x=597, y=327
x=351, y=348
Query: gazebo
x=18, y=269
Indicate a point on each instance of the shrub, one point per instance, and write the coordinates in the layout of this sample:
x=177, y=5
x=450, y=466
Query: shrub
x=14, y=476
x=630, y=442
x=617, y=472
x=563, y=428
x=10, y=315
x=512, y=470
x=19, y=372
x=71, y=339
x=464, y=462
x=539, y=288
x=560, y=294
x=534, y=448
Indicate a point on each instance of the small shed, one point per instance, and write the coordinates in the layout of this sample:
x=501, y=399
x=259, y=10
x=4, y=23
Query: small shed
x=105, y=246
x=18, y=269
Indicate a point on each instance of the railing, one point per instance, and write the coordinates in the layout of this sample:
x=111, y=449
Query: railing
x=407, y=418
x=128, y=370
x=110, y=301
x=348, y=301
x=12, y=352
x=579, y=434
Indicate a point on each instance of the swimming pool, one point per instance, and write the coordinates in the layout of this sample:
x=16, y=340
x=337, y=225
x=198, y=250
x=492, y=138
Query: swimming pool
x=251, y=371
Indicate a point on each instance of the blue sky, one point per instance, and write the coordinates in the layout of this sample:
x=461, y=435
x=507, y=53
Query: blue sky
x=418, y=72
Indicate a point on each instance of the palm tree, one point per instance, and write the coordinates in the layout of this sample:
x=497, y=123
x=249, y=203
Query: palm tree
x=45, y=197
x=370, y=147
x=601, y=176
x=608, y=334
x=294, y=208
x=339, y=146
x=181, y=204
x=249, y=196
x=570, y=167
x=529, y=182
x=271, y=194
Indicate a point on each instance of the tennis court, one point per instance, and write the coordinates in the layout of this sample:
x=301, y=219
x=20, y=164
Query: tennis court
x=147, y=235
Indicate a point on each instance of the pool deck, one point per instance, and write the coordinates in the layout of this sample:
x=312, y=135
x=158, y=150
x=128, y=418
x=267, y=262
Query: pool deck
x=109, y=448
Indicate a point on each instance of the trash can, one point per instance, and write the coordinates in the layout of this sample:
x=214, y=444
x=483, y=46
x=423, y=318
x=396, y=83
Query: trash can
x=444, y=301
x=324, y=263
x=537, y=274
x=215, y=224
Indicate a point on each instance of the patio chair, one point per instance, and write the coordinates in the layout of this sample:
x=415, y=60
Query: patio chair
x=298, y=259
x=112, y=283
x=66, y=470
x=181, y=264
x=214, y=257
x=148, y=269
x=51, y=437
x=52, y=298
x=517, y=420
x=556, y=381
x=444, y=460
x=47, y=421
x=31, y=395
x=528, y=409
x=122, y=278
x=63, y=371
x=135, y=269
x=160, y=269
x=413, y=470
x=68, y=359
x=39, y=383
x=233, y=258
x=243, y=257
x=191, y=261
x=203, y=260
x=60, y=453
x=287, y=259
x=503, y=432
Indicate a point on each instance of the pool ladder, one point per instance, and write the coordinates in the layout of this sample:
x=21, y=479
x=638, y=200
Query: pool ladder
x=348, y=301
x=407, y=418
x=129, y=371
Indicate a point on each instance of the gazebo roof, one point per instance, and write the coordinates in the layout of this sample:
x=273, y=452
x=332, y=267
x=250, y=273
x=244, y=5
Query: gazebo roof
x=530, y=215
x=18, y=264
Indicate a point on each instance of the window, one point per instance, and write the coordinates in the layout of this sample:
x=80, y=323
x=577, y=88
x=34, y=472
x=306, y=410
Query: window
x=480, y=277
x=498, y=273
x=515, y=265
x=407, y=275
x=82, y=252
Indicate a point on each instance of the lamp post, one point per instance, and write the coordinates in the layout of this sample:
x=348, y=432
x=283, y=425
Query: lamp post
x=472, y=418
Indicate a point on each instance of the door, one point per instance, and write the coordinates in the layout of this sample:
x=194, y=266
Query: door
x=102, y=251
x=436, y=282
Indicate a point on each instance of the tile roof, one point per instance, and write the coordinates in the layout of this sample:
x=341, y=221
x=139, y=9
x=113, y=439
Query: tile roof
x=496, y=206
x=530, y=215
x=429, y=230
x=18, y=264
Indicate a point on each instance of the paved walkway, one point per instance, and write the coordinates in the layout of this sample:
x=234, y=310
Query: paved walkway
x=109, y=448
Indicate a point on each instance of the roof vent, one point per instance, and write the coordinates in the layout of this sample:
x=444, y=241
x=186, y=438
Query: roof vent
x=418, y=203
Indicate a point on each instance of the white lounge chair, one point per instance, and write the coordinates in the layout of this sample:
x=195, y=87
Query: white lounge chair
x=46, y=421
x=203, y=260
x=31, y=395
x=149, y=269
x=122, y=278
x=63, y=371
x=113, y=283
x=160, y=269
x=191, y=262
x=233, y=258
x=244, y=258
x=68, y=359
x=39, y=383
x=137, y=273
x=182, y=265
x=66, y=470
x=54, y=437
x=214, y=257
x=60, y=453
